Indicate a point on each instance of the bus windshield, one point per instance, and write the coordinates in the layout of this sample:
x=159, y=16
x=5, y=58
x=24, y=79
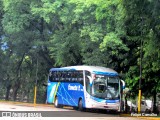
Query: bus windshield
x=105, y=87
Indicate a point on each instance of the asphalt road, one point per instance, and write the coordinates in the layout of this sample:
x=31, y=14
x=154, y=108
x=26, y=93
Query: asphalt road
x=41, y=112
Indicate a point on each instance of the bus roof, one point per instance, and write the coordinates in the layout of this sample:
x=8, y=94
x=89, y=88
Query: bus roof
x=93, y=69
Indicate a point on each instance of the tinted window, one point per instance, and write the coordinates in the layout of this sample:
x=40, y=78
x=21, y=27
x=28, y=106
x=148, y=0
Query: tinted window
x=66, y=76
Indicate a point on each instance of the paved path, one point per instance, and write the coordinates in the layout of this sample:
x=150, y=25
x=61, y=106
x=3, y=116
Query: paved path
x=66, y=113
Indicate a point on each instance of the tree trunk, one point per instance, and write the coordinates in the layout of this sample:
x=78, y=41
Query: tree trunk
x=22, y=96
x=7, y=92
x=125, y=103
x=15, y=90
x=28, y=95
x=45, y=96
x=154, y=102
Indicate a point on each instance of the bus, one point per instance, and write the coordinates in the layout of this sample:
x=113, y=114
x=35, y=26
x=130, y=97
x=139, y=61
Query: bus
x=85, y=87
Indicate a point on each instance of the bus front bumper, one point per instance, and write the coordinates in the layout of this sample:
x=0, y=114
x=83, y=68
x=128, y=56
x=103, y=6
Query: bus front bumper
x=107, y=106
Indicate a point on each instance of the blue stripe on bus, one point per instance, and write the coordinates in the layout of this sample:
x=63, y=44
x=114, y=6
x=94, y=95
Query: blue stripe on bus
x=62, y=69
x=106, y=73
x=106, y=101
x=112, y=101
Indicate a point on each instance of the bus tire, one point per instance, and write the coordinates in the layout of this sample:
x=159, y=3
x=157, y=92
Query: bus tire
x=80, y=105
x=56, y=102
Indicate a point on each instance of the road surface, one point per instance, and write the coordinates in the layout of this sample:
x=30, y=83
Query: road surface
x=43, y=112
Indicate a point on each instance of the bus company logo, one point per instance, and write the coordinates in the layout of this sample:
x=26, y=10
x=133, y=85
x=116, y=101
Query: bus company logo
x=76, y=88
x=6, y=114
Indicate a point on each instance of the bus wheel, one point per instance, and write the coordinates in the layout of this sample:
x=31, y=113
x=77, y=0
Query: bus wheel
x=80, y=105
x=56, y=102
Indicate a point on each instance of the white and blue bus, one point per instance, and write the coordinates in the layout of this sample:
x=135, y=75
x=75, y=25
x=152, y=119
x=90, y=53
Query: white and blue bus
x=85, y=87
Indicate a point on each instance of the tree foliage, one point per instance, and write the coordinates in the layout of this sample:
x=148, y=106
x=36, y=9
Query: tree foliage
x=40, y=34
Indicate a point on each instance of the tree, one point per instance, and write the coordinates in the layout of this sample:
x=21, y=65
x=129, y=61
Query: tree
x=24, y=32
x=44, y=34
x=141, y=22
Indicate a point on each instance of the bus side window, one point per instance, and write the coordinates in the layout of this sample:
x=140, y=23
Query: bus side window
x=50, y=76
x=63, y=76
x=59, y=76
x=87, y=80
x=88, y=88
x=53, y=76
x=68, y=75
x=87, y=73
x=56, y=76
x=80, y=77
x=74, y=76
